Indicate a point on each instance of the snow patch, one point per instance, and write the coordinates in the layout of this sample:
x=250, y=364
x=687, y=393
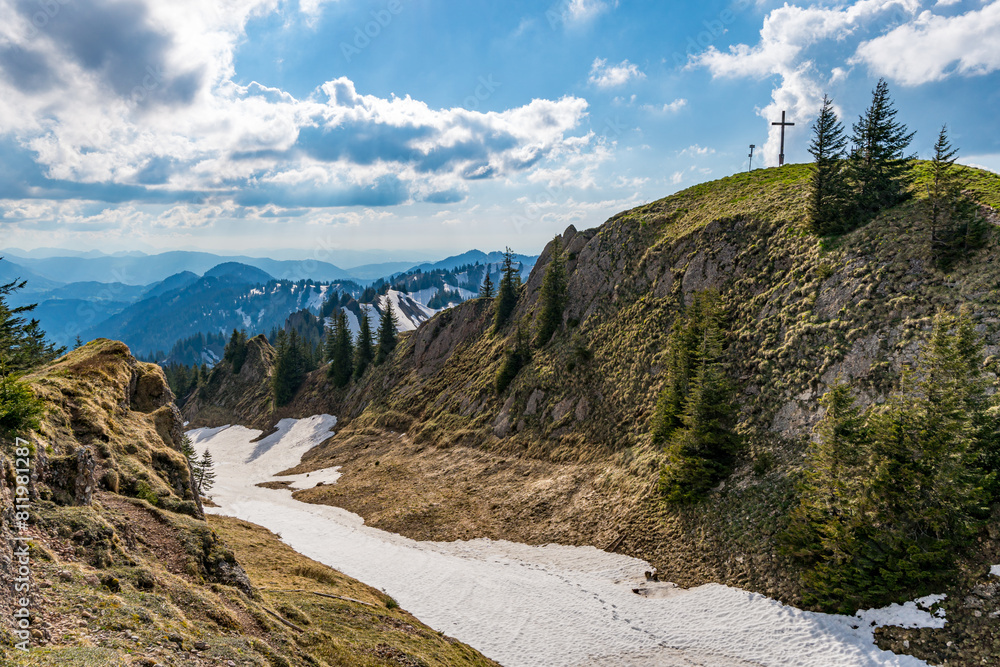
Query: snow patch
x=246, y=318
x=550, y=605
x=995, y=570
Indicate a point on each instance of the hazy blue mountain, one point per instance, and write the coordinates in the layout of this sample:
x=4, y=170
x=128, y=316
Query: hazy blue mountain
x=65, y=319
x=143, y=270
x=372, y=272
x=241, y=272
x=478, y=257
x=9, y=272
x=176, y=281
x=230, y=296
x=95, y=291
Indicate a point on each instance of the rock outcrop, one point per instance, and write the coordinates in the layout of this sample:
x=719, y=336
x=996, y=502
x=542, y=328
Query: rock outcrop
x=236, y=398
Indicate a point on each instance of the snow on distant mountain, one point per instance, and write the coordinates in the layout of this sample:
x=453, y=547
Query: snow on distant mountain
x=410, y=313
x=226, y=298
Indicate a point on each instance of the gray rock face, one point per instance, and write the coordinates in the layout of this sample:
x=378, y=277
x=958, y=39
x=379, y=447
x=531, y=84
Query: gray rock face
x=85, y=481
x=236, y=398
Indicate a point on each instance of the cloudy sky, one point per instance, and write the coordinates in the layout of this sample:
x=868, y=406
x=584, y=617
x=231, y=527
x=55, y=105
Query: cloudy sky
x=433, y=126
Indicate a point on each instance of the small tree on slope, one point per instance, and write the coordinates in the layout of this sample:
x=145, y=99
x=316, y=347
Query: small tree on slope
x=828, y=183
x=877, y=167
x=387, y=334
x=552, y=299
x=364, y=353
x=956, y=226
x=507, y=292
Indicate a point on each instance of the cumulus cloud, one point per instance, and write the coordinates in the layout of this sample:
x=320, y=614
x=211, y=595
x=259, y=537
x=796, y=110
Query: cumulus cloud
x=136, y=100
x=786, y=37
x=932, y=47
x=603, y=75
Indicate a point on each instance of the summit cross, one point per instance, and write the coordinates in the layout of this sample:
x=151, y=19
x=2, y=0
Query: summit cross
x=783, y=124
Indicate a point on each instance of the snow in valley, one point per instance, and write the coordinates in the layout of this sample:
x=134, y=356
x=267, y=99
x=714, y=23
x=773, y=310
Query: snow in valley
x=525, y=605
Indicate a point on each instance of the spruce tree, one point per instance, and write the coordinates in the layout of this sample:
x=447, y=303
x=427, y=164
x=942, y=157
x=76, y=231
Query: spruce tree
x=877, y=168
x=891, y=498
x=187, y=448
x=828, y=184
x=516, y=357
x=289, y=368
x=78, y=343
x=702, y=450
x=487, y=290
x=552, y=299
x=342, y=352
x=19, y=408
x=364, y=353
x=387, y=333
x=823, y=527
x=236, y=350
x=205, y=473
x=956, y=226
x=683, y=359
x=507, y=291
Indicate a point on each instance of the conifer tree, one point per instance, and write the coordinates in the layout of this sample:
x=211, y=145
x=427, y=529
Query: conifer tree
x=289, y=368
x=19, y=408
x=956, y=226
x=877, y=168
x=78, y=343
x=552, y=299
x=828, y=185
x=236, y=350
x=364, y=353
x=205, y=473
x=341, y=351
x=487, y=290
x=516, y=357
x=507, y=291
x=187, y=448
x=701, y=447
x=892, y=497
x=386, y=333
x=683, y=359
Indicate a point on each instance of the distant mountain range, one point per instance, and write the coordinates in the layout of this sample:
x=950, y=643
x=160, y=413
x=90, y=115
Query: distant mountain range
x=97, y=295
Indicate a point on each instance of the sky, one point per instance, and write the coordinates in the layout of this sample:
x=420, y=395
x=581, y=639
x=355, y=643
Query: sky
x=421, y=127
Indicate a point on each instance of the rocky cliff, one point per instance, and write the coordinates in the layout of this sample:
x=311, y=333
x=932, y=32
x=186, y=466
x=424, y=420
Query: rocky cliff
x=229, y=397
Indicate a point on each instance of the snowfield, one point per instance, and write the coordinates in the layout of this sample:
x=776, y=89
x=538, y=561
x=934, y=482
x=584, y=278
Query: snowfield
x=536, y=606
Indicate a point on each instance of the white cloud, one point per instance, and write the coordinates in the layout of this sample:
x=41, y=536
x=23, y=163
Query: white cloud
x=932, y=47
x=312, y=9
x=603, y=75
x=785, y=37
x=579, y=11
x=177, y=122
x=697, y=151
x=668, y=108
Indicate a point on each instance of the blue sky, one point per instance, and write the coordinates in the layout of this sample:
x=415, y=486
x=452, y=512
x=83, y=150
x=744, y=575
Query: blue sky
x=423, y=127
